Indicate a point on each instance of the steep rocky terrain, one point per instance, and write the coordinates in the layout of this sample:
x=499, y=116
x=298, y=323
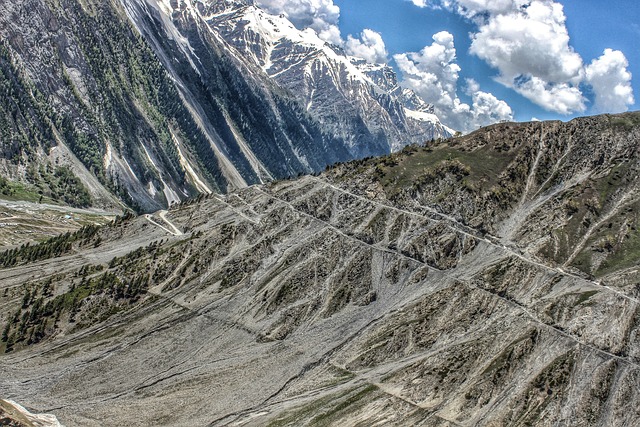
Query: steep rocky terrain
x=145, y=103
x=82, y=93
x=488, y=280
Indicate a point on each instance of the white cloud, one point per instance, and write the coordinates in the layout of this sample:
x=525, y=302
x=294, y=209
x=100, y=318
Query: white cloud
x=529, y=46
x=483, y=9
x=488, y=109
x=320, y=15
x=433, y=74
x=472, y=87
x=560, y=98
x=534, y=42
x=611, y=82
x=528, y=43
x=369, y=47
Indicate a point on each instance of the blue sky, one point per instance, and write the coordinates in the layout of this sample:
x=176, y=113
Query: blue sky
x=526, y=58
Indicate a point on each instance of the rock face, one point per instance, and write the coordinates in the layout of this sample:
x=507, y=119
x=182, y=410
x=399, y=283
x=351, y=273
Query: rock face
x=147, y=102
x=488, y=280
x=84, y=91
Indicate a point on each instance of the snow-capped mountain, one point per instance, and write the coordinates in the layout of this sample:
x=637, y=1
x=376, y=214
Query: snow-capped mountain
x=360, y=102
x=148, y=102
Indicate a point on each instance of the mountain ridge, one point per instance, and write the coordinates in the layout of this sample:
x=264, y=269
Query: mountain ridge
x=142, y=104
x=307, y=65
x=446, y=284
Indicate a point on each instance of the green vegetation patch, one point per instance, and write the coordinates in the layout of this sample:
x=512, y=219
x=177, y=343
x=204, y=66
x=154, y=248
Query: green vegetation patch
x=39, y=314
x=619, y=176
x=325, y=411
x=548, y=386
x=47, y=185
x=59, y=184
x=481, y=167
x=625, y=121
x=54, y=247
x=585, y=296
x=625, y=255
x=13, y=190
x=616, y=240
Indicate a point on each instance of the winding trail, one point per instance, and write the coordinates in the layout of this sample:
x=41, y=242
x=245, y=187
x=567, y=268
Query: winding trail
x=515, y=304
x=176, y=231
x=173, y=230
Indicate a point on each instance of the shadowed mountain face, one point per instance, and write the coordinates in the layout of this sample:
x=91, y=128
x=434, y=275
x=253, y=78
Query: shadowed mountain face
x=147, y=103
x=489, y=280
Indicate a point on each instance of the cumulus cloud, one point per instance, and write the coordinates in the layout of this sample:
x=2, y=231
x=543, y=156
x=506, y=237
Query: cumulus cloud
x=434, y=74
x=527, y=42
x=611, y=82
x=534, y=41
x=370, y=47
x=529, y=46
x=561, y=98
x=320, y=15
x=488, y=109
x=483, y=9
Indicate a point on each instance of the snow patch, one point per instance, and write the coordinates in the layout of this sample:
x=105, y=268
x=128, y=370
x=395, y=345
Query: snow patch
x=428, y=118
x=199, y=183
x=152, y=189
x=275, y=29
x=169, y=194
x=108, y=156
x=39, y=420
x=423, y=117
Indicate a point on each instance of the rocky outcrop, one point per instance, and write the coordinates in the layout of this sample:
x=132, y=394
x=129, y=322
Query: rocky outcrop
x=14, y=415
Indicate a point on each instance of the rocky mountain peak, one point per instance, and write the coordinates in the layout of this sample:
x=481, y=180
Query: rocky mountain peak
x=412, y=101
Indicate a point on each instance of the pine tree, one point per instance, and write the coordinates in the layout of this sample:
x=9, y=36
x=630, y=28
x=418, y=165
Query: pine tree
x=26, y=299
x=5, y=332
